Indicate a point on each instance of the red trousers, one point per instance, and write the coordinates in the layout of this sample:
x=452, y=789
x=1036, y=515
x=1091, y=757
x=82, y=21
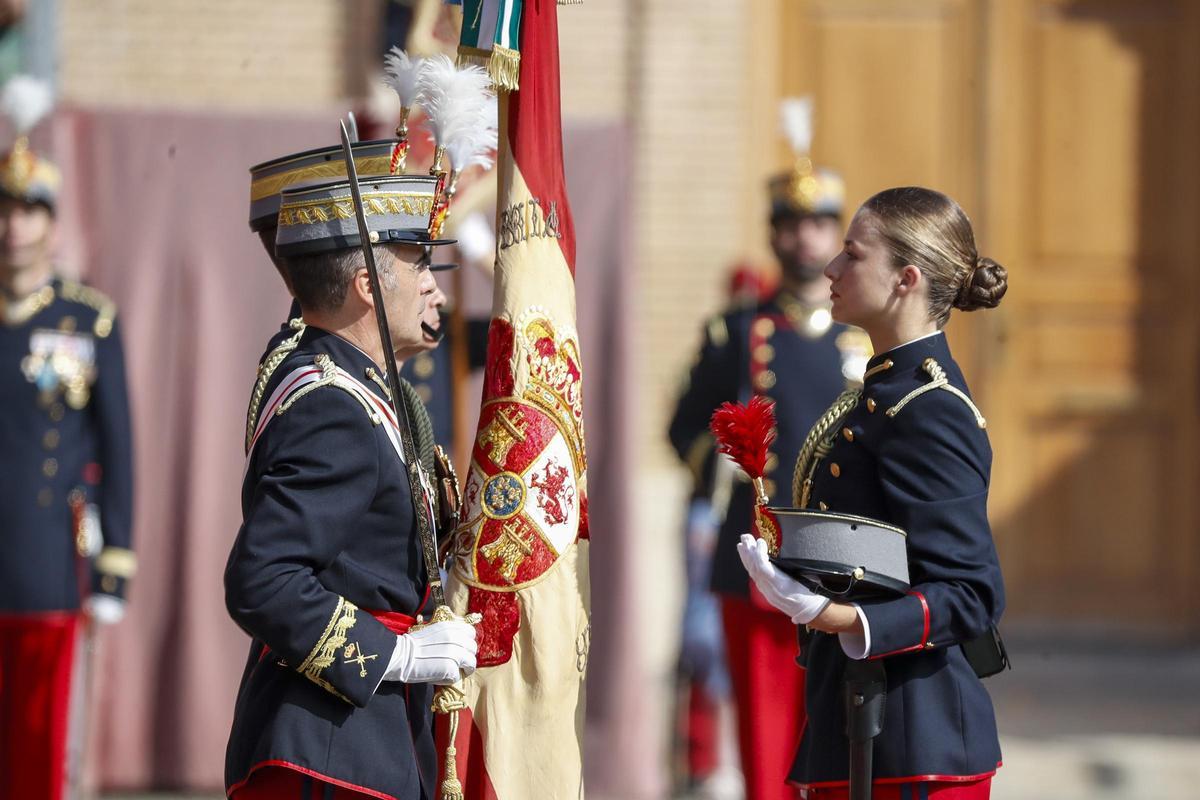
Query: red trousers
x=941, y=790
x=768, y=690
x=284, y=783
x=37, y=653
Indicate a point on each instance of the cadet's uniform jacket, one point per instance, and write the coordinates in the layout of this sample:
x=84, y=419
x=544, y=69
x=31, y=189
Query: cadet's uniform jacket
x=790, y=353
x=328, y=547
x=65, y=451
x=911, y=450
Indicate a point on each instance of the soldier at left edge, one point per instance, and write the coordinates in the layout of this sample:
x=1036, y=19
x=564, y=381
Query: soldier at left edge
x=67, y=488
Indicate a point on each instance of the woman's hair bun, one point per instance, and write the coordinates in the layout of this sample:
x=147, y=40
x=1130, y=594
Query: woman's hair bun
x=984, y=286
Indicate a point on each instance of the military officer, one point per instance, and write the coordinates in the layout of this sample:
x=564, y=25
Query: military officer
x=267, y=180
x=327, y=573
x=789, y=349
x=65, y=513
x=910, y=449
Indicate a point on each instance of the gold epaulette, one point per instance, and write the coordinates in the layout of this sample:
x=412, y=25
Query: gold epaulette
x=938, y=381
x=819, y=442
x=329, y=377
x=266, y=369
x=93, y=298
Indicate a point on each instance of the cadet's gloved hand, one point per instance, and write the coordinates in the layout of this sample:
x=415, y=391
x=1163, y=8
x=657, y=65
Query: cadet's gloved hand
x=788, y=595
x=439, y=654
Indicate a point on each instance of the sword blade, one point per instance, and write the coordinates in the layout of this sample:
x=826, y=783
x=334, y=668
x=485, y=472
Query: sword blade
x=416, y=487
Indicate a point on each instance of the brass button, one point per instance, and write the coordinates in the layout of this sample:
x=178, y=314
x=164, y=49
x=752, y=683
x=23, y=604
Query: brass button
x=51, y=439
x=822, y=506
x=849, y=434
x=870, y=406
x=50, y=467
x=423, y=366
x=109, y=583
x=57, y=411
x=765, y=380
x=835, y=470
x=764, y=354
x=764, y=327
x=772, y=463
x=45, y=498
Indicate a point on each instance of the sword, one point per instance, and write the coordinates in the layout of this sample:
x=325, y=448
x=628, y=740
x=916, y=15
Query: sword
x=447, y=700
x=418, y=482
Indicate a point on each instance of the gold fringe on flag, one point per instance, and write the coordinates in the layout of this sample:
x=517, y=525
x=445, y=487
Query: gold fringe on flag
x=503, y=65
x=570, y=2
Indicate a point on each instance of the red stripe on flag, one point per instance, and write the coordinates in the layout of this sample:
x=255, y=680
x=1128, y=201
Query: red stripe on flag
x=535, y=119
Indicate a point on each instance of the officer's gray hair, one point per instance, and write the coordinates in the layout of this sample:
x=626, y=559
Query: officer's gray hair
x=320, y=281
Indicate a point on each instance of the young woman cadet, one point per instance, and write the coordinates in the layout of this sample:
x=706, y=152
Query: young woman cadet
x=909, y=449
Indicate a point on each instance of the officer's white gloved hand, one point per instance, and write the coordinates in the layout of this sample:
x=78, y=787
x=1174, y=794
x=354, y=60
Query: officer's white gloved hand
x=442, y=653
x=105, y=609
x=787, y=594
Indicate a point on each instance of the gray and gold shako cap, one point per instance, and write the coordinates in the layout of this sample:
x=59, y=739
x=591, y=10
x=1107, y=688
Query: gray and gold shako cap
x=398, y=209
x=310, y=168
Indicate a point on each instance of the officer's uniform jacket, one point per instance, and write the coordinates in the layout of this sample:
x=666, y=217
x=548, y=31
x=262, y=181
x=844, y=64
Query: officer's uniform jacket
x=780, y=349
x=66, y=471
x=912, y=451
x=328, y=536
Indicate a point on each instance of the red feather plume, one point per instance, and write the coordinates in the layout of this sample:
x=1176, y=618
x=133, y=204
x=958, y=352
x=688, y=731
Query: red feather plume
x=744, y=432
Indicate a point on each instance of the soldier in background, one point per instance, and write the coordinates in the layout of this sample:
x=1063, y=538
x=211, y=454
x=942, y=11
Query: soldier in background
x=65, y=447
x=738, y=359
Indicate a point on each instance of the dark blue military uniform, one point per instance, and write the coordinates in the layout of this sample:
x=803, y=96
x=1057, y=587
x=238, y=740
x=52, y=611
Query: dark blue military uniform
x=66, y=450
x=785, y=351
x=911, y=451
x=328, y=536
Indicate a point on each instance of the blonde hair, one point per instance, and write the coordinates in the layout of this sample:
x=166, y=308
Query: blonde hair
x=930, y=231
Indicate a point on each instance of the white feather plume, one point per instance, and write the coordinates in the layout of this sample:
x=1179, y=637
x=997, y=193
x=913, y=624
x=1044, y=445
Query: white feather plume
x=402, y=73
x=796, y=121
x=460, y=111
x=25, y=100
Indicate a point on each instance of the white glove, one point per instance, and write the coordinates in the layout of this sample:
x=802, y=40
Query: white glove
x=441, y=654
x=105, y=609
x=788, y=595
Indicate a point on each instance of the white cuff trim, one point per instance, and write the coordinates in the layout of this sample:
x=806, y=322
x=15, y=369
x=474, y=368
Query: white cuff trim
x=854, y=645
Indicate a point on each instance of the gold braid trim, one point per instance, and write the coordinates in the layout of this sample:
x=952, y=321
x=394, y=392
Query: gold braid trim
x=119, y=562
x=329, y=377
x=324, y=652
x=93, y=298
x=818, y=444
x=265, y=370
x=940, y=381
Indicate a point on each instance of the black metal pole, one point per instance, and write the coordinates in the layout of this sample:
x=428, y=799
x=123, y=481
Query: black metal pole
x=864, y=695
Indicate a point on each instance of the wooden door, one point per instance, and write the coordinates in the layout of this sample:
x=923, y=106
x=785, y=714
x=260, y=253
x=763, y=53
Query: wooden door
x=1067, y=129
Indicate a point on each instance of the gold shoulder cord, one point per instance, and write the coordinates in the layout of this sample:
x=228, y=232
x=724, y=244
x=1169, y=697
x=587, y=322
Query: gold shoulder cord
x=265, y=371
x=93, y=298
x=818, y=444
x=939, y=381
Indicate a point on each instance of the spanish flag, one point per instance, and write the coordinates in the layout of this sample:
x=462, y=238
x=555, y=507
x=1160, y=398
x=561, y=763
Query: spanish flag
x=521, y=551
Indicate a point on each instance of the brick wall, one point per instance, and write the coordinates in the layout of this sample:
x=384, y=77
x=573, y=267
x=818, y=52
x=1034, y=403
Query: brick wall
x=215, y=54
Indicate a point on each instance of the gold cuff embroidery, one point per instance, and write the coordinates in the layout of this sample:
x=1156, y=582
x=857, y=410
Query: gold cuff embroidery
x=324, y=652
x=117, y=561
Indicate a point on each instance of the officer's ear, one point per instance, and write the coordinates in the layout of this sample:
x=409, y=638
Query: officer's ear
x=911, y=280
x=360, y=287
